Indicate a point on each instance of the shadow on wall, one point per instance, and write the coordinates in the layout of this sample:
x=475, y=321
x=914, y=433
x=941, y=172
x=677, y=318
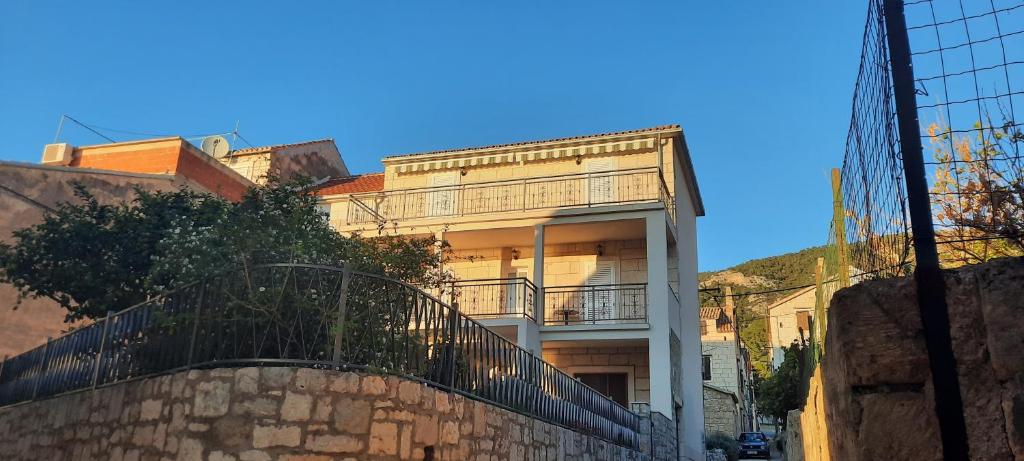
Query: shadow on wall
x=874, y=397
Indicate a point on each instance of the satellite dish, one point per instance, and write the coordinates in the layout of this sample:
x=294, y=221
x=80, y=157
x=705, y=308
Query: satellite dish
x=216, y=146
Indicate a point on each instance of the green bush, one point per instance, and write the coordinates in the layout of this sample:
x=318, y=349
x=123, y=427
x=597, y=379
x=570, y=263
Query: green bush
x=724, y=441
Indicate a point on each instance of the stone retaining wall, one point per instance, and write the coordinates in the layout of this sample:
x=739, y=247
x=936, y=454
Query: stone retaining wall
x=262, y=414
x=878, y=396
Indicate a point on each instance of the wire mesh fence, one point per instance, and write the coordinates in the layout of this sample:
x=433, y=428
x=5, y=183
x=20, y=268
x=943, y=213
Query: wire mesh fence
x=968, y=64
x=968, y=59
x=319, y=317
x=951, y=73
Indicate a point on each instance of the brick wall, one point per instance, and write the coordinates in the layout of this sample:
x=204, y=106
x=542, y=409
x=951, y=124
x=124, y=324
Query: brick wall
x=260, y=414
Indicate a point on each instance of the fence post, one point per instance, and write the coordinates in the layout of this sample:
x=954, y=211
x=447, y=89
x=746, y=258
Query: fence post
x=346, y=278
x=839, y=224
x=103, y=346
x=453, y=323
x=817, y=330
x=43, y=368
x=931, y=286
x=195, y=326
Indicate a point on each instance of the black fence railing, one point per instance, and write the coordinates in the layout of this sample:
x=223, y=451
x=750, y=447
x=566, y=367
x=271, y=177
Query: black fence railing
x=319, y=317
x=502, y=297
x=576, y=190
x=595, y=304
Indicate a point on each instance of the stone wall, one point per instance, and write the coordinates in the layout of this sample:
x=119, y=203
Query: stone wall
x=260, y=414
x=720, y=412
x=878, y=395
x=633, y=360
x=808, y=432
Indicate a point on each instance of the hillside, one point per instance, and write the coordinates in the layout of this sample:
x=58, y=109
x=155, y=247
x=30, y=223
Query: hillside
x=756, y=276
x=787, y=270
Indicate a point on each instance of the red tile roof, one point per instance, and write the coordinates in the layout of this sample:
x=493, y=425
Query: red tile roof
x=525, y=143
x=258, y=149
x=352, y=184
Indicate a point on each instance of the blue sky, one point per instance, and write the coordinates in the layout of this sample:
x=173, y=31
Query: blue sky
x=762, y=89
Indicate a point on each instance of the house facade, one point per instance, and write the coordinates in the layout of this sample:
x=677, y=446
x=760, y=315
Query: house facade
x=789, y=321
x=579, y=249
x=729, y=405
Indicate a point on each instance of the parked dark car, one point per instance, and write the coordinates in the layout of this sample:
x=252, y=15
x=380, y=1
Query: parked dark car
x=754, y=445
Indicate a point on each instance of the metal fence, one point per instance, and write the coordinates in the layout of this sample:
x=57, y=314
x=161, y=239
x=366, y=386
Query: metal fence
x=319, y=317
x=931, y=175
x=575, y=190
x=501, y=297
x=595, y=304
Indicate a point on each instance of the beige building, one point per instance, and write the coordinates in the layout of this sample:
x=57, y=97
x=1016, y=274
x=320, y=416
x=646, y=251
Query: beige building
x=789, y=321
x=725, y=369
x=580, y=249
x=314, y=159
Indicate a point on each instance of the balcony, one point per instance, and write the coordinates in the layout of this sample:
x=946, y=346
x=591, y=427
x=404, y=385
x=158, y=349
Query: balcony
x=595, y=304
x=642, y=185
x=488, y=298
x=563, y=305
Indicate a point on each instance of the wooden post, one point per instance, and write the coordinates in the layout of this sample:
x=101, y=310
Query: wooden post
x=819, y=309
x=839, y=224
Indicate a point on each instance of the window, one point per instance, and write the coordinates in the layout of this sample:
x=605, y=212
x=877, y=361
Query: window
x=706, y=367
x=803, y=322
x=612, y=385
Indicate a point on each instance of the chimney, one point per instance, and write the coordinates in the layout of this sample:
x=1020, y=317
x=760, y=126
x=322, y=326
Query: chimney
x=729, y=306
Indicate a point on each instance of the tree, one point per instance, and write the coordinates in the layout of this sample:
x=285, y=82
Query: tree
x=93, y=258
x=782, y=391
x=978, y=193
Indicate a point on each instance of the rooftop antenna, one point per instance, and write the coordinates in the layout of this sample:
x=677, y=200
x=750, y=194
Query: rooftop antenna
x=60, y=127
x=234, y=134
x=216, y=146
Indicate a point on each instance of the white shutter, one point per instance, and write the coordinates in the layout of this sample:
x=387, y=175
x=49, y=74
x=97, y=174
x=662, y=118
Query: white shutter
x=599, y=298
x=601, y=188
x=442, y=202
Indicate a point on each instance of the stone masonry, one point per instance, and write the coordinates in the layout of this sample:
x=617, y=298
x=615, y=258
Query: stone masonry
x=287, y=414
x=878, y=396
x=720, y=412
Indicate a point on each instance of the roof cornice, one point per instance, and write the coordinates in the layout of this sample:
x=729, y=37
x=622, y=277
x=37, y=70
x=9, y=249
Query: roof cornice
x=548, y=144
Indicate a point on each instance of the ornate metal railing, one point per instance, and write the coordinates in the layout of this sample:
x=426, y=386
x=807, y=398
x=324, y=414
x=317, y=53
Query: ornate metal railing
x=595, y=304
x=483, y=298
x=564, y=191
x=318, y=317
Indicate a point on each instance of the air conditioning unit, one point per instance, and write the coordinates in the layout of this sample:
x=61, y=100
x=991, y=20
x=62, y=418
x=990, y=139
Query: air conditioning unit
x=58, y=154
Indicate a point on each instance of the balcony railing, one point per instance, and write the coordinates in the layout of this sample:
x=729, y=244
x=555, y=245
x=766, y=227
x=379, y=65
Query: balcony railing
x=565, y=191
x=595, y=304
x=507, y=297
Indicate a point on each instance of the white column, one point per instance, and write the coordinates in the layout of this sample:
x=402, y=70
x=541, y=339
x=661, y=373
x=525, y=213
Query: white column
x=538, y=270
x=659, y=352
x=692, y=428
